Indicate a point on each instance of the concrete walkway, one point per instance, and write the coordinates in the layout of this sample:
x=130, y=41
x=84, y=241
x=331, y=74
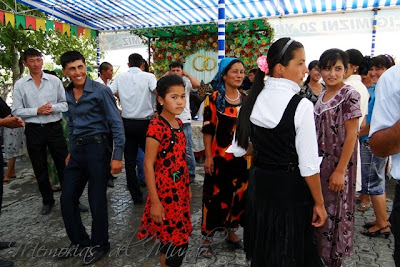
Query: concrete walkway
x=39, y=238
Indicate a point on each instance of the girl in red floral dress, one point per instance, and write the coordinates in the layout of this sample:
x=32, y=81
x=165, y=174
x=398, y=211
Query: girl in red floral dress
x=167, y=212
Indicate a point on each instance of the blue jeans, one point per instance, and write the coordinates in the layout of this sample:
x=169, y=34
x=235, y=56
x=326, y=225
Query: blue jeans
x=187, y=129
x=139, y=164
x=372, y=171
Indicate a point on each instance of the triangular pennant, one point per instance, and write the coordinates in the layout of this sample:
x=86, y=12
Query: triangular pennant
x=87, y=32
x=41, y=24
x=93, y=34
x=66, y=29
x=81, y=31
x=10, y=18
x=58, y=26
x=74, y=30
x=30, y=22
x=2, y=17
x=49, y=25
x=20, y=21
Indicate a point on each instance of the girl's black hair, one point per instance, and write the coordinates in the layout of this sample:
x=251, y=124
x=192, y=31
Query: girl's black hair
x=274, y=57
x=163, y=86
x=380, y=61
x=365, y=65
x=357, y=59
x=331, y=56
x=312, y=65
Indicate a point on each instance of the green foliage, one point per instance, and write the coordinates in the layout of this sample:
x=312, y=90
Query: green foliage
x=14, y=41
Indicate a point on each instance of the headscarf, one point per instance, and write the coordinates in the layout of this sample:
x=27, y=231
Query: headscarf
x=218, y=83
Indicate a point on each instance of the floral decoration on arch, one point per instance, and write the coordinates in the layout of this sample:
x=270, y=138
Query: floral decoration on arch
x=246, y=40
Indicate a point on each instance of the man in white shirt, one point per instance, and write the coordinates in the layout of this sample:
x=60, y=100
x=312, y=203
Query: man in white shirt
x=136, y=90
x=385, y=138
x=191, y=83
x=39, y=99
x=106, y=71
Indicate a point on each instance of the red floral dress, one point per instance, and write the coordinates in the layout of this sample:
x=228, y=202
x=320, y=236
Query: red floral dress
x=172, y=182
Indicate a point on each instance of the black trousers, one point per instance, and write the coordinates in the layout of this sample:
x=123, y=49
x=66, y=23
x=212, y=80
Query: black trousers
x=395, y=224
x=38, y=139
x=135, y=136
x=88, y=164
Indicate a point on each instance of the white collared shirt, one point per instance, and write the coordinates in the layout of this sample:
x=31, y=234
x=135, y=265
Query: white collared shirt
x=100, y=80
x=186, y=116
x=387, y=108
x=27, y=98
x=135, y=88
x=356, y=83
x=268, y=111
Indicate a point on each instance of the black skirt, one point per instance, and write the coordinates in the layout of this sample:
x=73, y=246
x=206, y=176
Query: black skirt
x=278, y=230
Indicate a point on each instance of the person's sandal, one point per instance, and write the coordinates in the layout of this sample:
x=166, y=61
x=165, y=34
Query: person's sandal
x=377, y=233
x=363, y=208
x=206, y=251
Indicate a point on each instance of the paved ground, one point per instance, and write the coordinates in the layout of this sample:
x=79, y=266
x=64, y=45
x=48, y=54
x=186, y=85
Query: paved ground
x=39, y=238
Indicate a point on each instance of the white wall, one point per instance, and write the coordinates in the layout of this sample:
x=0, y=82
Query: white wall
x=344, y=31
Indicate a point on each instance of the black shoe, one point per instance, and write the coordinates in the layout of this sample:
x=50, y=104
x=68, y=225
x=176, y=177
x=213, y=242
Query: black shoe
x=46, y=209
x=112, y=177
x=236, y=245
x=73, y=250
x=83, y=208
x=377, y=233
x=110, y=183
x=4, y=245
x=94, y=255
x=5, y=263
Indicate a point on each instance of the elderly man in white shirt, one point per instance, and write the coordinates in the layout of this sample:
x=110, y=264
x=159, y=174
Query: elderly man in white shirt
x=136, y=90
x=385, y=138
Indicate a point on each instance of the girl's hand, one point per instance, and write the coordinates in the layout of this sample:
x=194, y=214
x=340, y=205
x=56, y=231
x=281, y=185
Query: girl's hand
x=157, y=212
x=336, y=181
x=319, y=216
x=209, y=165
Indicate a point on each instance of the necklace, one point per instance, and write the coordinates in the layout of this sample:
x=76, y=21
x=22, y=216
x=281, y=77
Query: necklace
x=233, y=100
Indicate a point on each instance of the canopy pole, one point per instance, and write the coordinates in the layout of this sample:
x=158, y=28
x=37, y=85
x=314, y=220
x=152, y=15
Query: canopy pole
x=221, y=30
x=149, y=50
x=98, y=50
x=374, y=26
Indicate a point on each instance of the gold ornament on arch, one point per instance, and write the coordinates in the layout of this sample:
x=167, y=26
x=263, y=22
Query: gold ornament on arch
x=205, y=64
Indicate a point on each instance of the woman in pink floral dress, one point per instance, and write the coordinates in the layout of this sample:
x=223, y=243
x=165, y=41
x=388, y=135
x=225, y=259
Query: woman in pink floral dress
x=336, y=116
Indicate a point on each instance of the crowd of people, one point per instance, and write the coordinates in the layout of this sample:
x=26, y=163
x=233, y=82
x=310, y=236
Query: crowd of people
x=284, y=158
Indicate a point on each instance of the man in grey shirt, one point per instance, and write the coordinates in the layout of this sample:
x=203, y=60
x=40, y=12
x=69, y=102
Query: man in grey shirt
x=39, y=99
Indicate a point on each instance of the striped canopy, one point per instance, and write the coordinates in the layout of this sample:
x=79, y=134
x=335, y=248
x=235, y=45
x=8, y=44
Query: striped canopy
x=111, y=15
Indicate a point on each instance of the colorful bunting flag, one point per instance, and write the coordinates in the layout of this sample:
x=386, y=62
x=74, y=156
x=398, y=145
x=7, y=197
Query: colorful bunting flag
x=80, y=31
x=2, y=17
x=49, y=25
x=20, y=21
x=41, y=24
x=30, y=22
x=93, y=34
x=87, y=32
x=58, y=26
x=74, y=30
x=10, y=18
x=66, y=29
